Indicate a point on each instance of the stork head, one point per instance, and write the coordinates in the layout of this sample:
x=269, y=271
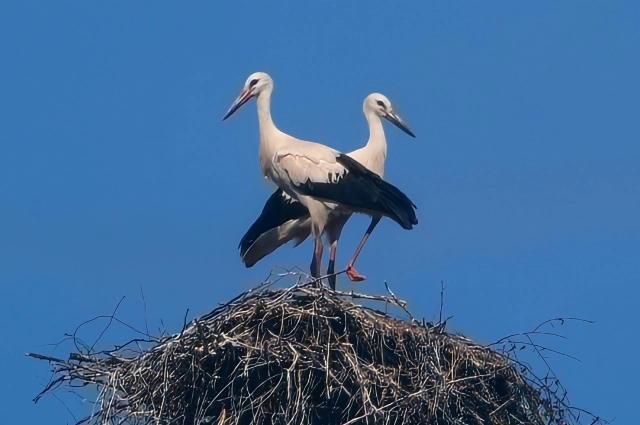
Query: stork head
x=379, y=105
x=256, y=83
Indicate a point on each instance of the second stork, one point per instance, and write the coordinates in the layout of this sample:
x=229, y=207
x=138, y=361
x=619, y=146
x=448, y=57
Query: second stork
x=283, y=219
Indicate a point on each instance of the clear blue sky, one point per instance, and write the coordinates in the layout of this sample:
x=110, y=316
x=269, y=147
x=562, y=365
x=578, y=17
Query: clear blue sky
x=116, y=170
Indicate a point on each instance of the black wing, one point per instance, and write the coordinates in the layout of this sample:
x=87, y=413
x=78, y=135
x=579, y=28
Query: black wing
x=363, y=190
x=276, y=212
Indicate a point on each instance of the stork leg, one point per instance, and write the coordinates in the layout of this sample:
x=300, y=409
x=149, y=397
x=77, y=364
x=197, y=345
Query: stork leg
x=353, y=275
x=316, y=262
x=332, y=265
x=333, y=231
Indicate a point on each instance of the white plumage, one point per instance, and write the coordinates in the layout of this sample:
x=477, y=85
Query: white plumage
x=324, y=181
x=282, y=222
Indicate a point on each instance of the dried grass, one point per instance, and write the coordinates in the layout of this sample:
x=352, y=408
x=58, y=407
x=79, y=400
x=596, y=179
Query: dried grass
x=306, y=355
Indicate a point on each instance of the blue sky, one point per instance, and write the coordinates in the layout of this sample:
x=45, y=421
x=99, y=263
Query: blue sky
x=117, y=172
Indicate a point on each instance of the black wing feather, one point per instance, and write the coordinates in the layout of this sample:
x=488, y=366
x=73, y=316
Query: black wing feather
x=364, y=190
x=276, y=212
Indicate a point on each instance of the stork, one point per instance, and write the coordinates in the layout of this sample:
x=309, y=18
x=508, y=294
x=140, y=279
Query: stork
x=283, y=219
x=322, y=179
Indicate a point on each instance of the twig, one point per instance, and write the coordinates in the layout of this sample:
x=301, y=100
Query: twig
x=144, y=304
x=441, y=301
x=304, y=352
x=108, y=325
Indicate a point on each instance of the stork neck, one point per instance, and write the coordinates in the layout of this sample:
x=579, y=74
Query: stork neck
x=264, y=111
x=377, y=142
x=269, y=140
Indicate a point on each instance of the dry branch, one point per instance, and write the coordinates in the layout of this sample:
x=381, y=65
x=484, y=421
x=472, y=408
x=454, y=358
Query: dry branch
x=305, y=355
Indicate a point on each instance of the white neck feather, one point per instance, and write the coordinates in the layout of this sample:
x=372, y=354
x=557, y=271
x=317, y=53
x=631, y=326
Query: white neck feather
x=270, y=136
x=377, y=144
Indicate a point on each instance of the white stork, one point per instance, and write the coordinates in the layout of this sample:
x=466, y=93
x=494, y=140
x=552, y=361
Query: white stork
x=283, y=219
x=321, y=178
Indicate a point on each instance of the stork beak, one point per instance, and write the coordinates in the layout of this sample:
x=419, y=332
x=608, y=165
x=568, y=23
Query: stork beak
x=241, y=100
x=398, y=122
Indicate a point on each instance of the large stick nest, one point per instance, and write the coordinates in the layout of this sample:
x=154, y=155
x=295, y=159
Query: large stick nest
x=306, y=355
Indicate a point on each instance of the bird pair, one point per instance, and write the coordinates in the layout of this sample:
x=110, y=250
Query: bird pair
x=319, y=188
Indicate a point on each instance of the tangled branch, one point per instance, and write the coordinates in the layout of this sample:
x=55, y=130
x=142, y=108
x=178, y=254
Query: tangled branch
x=305, y=355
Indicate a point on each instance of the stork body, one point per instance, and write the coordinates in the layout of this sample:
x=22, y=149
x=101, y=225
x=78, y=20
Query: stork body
x=283, y=219
x=325, y=181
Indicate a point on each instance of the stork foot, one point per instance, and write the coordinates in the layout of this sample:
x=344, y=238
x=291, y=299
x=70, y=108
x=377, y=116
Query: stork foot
x=353, y=275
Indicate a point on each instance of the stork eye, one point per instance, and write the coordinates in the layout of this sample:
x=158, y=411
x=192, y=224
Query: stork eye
x=253, y=83
x=381, y=104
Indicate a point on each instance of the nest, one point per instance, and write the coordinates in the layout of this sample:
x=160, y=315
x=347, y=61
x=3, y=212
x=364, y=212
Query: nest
x=306, y=355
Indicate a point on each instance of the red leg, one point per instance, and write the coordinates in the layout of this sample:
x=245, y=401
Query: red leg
x=353, y=275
